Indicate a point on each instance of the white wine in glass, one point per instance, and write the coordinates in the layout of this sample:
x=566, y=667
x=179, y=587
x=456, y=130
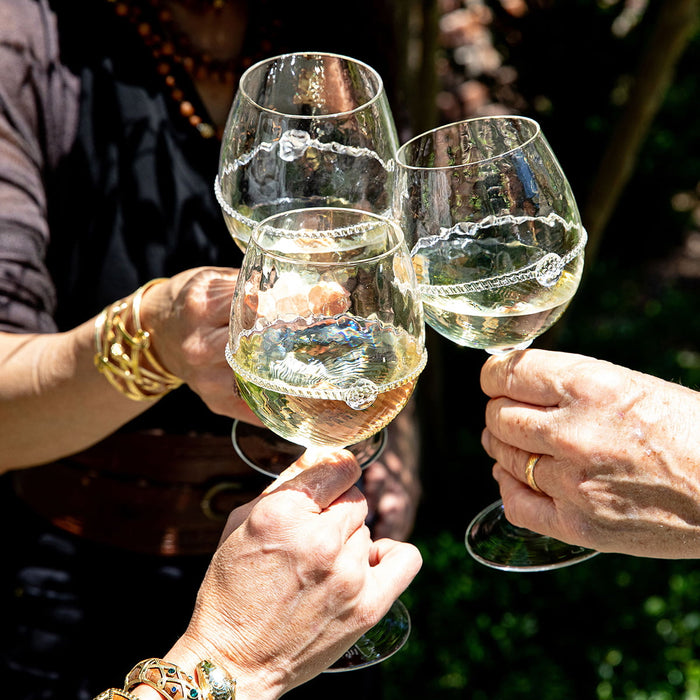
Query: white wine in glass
x=498, y=247
x=502, y=311
x=327, y=341
x=306, y=129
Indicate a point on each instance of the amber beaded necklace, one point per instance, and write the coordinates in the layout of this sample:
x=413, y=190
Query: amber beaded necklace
x=173, y=52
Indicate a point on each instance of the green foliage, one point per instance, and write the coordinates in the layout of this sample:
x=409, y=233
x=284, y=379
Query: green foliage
x=615, y=627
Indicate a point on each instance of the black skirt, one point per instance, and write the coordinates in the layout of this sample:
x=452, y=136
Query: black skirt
x=77, y=616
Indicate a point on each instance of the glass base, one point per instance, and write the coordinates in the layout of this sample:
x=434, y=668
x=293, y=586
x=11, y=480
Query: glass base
x=377, y=644
x=270, y=454
x=494, y=542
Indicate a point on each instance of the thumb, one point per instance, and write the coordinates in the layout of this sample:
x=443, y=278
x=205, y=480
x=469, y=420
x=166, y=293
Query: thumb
x=323, y=475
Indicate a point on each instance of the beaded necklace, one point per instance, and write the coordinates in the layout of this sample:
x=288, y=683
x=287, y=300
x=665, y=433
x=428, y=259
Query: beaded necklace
x=173, y=52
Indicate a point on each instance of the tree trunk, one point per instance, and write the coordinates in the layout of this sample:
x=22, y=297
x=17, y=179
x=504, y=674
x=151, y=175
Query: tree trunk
x=674, y=26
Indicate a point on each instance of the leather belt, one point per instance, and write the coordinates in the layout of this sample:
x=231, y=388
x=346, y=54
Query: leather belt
x=145, y=492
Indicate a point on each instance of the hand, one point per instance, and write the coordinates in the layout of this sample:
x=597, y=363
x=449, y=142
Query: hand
x=392, y=482
x=620, y=466
x=49, y=384
x=296, y=581
x=189, y=318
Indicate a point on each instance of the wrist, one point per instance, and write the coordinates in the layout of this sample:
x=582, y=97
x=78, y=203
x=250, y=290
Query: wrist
x=152, y=317
x=123, y=352
x=188, y=672
x=250, y=685
x=143, y=692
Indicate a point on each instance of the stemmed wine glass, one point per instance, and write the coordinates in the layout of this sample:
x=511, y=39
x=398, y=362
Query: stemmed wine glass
x=327, y=340
x=306, y=129
x=497, y=244
x=270, y=454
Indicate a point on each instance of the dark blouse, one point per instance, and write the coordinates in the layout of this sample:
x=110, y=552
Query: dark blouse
x=103, y=184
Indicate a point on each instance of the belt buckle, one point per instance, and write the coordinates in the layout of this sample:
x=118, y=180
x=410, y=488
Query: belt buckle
x=208, y=505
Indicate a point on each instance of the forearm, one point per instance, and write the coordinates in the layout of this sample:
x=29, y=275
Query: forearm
x=53, y=401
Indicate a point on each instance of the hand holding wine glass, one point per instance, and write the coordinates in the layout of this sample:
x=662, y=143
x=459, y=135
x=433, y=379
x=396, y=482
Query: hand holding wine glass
x=622, y=452
x=326, y=338
x=497, y=243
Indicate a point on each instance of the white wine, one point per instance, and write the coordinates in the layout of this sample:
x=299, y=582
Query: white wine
x=242, y=220
x=295, y=377
x=499, y=320
x=497, y=284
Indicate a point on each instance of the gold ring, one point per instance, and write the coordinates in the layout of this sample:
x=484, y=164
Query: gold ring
x=530, y=473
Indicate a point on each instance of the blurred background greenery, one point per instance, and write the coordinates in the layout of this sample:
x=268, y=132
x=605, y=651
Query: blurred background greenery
x=615, y=626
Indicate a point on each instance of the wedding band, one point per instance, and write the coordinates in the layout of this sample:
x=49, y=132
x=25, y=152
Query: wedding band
x=530, y=473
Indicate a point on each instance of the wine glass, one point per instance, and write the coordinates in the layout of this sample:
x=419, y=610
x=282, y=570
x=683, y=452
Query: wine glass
x=497, y=244
x=306, y=129
x=327, y=340
x=271, y=454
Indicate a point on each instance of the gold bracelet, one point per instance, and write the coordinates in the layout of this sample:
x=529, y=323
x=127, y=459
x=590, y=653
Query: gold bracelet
x=118, y=353
x=113, y=693
x=215, y=684
x=172, y=683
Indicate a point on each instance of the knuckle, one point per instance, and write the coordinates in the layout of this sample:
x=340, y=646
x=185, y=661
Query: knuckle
x=269, y=516
x=196, y=351
x=597, y=381
x=513, y=512
x=367, y=616
x=325, y=547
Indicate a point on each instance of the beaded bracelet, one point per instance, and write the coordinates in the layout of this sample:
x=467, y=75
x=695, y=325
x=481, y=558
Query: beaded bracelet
x=172, y=683
x=214, y=682
x=113, y=693
x=118, y=353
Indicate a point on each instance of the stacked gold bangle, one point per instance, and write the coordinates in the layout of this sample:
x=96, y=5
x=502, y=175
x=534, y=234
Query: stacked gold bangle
x=118, y=353
x=172, y=683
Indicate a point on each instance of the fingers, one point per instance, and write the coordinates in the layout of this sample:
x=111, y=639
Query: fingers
x=524, y=507
x=208, y=287
x=510, y=458
x=323, y=478
x=394, y=566
x=530, y=428
x=188, y=317
x=222, y=286
x=529, y=376
x=323, y=475
x=514, y=460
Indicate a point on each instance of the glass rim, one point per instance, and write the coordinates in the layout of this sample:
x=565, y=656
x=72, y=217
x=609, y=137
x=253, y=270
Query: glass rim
x=377, y=94
x=378, y=218
x=400, y=161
